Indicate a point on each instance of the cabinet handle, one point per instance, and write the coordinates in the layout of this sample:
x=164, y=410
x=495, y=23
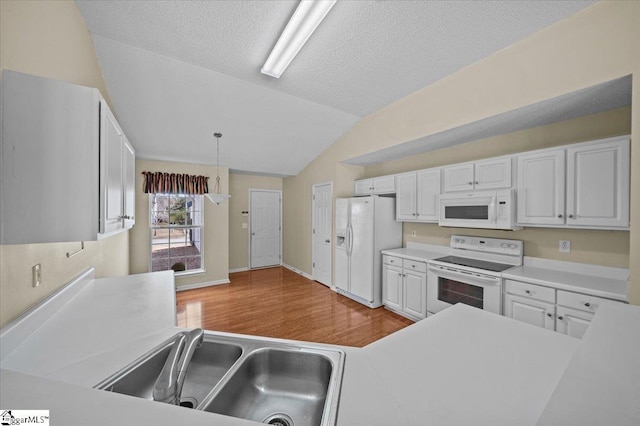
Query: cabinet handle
x=587, y=304
x=477, y=182
x=528, y=291
x=550, y=315
x=327, y=241
x=470, y=183
x=570, y=216
x=560, y=317
x=560, y=216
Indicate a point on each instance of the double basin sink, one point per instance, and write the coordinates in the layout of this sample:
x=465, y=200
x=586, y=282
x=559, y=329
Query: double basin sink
x=267, y=382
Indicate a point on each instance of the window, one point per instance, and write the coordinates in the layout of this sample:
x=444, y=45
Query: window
x=176, y=228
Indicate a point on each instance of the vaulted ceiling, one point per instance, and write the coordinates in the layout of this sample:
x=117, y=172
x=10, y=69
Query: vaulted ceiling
x=178, y=71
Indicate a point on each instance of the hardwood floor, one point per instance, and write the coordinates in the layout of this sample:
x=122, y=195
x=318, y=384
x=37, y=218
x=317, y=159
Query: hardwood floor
x=277, y=302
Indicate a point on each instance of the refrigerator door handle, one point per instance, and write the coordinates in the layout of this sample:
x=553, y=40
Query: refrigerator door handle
x=349, y=240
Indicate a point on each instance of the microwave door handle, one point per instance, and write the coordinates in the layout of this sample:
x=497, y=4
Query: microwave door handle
x=492, y=210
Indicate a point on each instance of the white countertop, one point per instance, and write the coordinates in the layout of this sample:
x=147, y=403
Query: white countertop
x=601, y=385
x=460, y=366
x=595, y=281
x=419, y=252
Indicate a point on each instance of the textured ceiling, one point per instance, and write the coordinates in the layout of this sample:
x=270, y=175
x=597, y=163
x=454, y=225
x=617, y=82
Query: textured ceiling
x=365, y=55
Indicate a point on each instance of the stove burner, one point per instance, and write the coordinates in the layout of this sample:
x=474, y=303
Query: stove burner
x=475, y=263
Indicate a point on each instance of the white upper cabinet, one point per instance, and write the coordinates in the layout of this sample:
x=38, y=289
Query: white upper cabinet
x=540, y=196
x=459, y=177
x=598, y=184
x=486, y=174
x=580, y=186
x=63, y=163
x=417, y=196
x=378, y=185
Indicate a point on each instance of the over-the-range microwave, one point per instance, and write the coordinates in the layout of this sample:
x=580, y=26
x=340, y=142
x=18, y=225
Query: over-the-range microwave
x=479, y=209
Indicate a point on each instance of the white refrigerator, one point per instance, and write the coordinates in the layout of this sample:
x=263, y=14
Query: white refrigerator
x=364, y=227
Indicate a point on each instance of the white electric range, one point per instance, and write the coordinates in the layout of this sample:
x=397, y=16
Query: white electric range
x=472, y=273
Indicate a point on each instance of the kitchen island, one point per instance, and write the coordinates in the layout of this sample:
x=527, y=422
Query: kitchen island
x=461, y=366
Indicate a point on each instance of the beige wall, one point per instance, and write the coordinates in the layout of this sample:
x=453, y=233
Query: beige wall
x=596, y=45
x=216, y=224
x=239, y=186
x=50, y=39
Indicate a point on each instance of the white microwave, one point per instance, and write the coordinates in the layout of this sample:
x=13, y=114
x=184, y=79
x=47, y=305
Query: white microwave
x=479, y=209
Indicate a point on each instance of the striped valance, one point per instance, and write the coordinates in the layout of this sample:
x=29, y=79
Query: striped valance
x=174, y=183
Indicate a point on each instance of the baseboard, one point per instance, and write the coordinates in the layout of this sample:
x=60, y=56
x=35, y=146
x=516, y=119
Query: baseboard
x=231, y=271
x=298, y=271
x=202, y=285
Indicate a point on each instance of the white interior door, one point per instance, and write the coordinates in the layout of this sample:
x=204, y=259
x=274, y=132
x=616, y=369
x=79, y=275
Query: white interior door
x=322, y=236
x=266, y=232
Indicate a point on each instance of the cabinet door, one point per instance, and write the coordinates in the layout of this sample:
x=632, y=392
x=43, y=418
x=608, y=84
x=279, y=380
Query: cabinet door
x=384, y=185
x=458, y=177
x=406, y=197
x=111, y=146
x=540, y=186
x=392, y=287
x=129, y=181
x=572, y=322
x=531, y=311
x=363, y=187
x=598, y=184
x=428, y=194
x=415, y=294
x=493, y=174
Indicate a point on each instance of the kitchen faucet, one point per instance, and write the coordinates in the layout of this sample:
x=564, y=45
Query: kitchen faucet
x=168, y=386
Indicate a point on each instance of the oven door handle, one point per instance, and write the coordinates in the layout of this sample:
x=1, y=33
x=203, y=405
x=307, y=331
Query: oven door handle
x=457, y=275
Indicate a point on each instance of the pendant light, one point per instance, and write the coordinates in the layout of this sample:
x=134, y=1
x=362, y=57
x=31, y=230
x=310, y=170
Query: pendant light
x=216, y=196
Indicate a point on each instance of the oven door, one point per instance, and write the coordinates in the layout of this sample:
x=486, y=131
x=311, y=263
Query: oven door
x=471, y=211
x=446, y=287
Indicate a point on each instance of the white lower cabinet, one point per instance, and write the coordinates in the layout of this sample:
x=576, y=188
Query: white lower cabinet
x=404, y=287
x=563, y=311
x=529, y=310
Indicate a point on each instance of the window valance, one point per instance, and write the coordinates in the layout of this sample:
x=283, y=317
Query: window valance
x=174, y=183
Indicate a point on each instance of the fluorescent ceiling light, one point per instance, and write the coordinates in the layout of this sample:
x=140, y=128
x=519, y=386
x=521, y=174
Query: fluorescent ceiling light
x=302, y=24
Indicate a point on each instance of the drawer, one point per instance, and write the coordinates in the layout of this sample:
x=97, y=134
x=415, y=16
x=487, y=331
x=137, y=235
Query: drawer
x=579, y=301
x=391, y=260
x=519, y=288
x=412, y=265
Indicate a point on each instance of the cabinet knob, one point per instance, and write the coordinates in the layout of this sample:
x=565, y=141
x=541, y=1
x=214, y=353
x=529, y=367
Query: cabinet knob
x=560, y=317
x=470, y=183
x=587, y=304
x=476, y=182
x=528, y=291
x=550, y=315
x=570, y=216
x=327, y=241
x=560, y=216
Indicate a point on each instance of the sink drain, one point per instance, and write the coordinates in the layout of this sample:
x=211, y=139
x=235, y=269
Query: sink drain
x=188, y=402
x=278, y=419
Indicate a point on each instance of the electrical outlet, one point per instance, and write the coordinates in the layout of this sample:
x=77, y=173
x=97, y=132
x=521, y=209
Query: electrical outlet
x=413, y=233
x=564, y=246
x=36, y=274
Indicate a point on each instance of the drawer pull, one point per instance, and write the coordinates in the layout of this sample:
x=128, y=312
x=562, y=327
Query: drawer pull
x=413, y=266
x=528, y=291
x=560, y=318
x=550, y=315
x=587, y=304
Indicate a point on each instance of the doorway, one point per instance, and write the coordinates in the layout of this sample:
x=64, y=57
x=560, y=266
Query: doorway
x=265, y=228
x=322, y=215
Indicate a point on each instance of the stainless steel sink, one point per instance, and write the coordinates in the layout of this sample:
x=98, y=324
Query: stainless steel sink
x=284, y=387
x=255, y=379
x=209, y=364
